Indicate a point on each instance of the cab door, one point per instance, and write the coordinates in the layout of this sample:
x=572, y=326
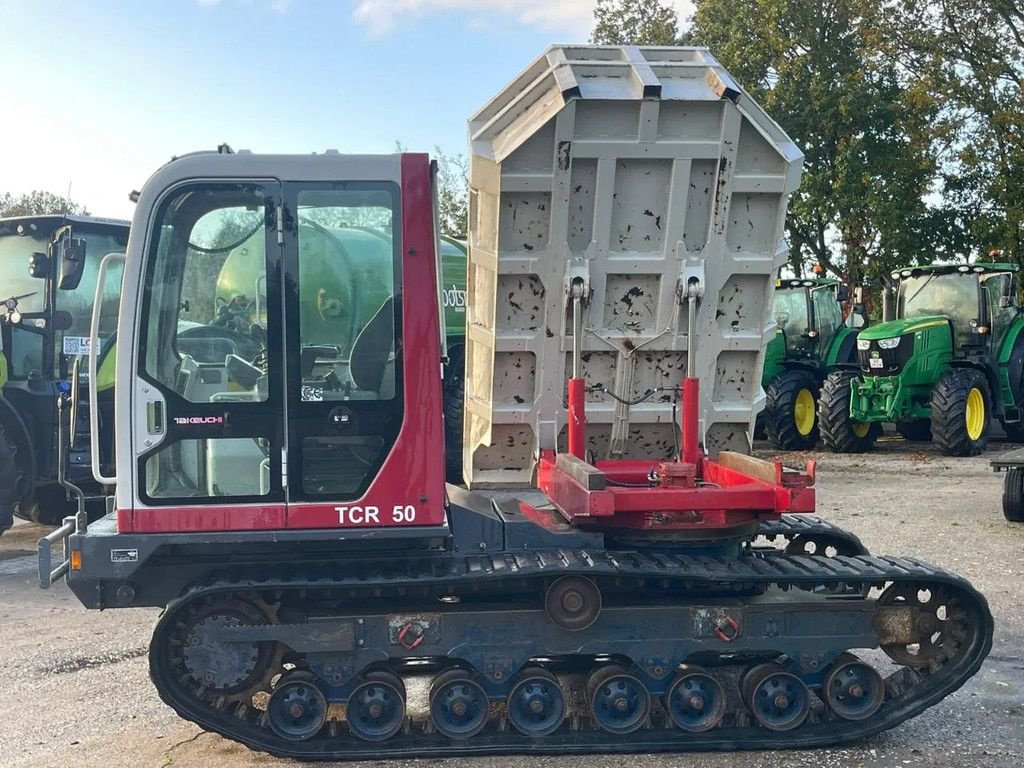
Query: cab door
x=364, y=424
x=208, y=410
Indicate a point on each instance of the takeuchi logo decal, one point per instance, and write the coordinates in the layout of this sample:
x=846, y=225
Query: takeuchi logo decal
x=198, y=419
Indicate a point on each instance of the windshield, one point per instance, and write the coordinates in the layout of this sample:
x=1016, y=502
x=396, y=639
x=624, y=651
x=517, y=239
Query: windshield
x=78, y=302
x=14, y=278
x=16, y=281
x=790, y=312
x=952, y=295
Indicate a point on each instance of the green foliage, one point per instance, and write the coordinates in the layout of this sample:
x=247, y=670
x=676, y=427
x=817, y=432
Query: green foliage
x=452, y=194
x=635, y=22
x=972, y=57
x=867, y=128
x=38, y=202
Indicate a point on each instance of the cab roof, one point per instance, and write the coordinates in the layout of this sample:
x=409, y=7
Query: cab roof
x=981, y=267
x=47, y=223
x=804, y=282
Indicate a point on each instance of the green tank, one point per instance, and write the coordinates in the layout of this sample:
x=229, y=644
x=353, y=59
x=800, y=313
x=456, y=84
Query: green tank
x=351, y=269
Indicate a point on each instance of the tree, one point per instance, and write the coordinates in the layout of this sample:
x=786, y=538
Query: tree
x=973, y=57
x=452, y=194
x=867, y=128
x=635, y=22
x=38, y=202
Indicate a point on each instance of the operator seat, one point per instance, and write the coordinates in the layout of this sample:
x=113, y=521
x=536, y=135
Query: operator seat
x=371, y=352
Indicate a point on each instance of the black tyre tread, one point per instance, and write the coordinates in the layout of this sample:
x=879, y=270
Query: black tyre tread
x=1014, y=431
x=919, y=431
x=949, y=409
x=779, y=423
x=1013, y=495
x=8, y=480
x=834, y=416
x=454, y=395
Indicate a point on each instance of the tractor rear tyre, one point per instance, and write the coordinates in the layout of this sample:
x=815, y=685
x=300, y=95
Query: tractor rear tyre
x=919, y=431
x=841, y=433
x=790, y=411
x=1013, y=495
x=454, y=393
x=8, y=481
x=961, y=412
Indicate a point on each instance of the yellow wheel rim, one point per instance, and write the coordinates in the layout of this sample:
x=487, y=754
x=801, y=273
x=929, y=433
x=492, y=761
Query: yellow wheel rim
x=803, y=412
x=860, y=428
x=975, y=413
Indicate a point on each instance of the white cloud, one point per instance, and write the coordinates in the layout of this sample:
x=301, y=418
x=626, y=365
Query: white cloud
x=380, y=16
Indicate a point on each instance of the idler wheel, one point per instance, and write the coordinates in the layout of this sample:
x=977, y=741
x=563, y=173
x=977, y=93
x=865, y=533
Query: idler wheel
x=536, y=704
x=619, y=701
x=573, y=602
x=376, y=708
x=695, y=701
x=297, y=709
x=458, y=705
x=779, y=700
x=940, y=624
x=853, y=690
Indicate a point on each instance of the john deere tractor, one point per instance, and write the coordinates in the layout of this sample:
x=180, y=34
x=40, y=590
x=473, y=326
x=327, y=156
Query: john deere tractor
x=811, y=339
x=48, y=268
x=949, y=364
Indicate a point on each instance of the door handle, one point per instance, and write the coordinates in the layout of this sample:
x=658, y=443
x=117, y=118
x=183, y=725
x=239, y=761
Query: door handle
x=155, y=417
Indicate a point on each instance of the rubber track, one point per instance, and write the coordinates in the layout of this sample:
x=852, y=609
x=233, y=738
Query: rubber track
x=809, y=527
x=912, y=693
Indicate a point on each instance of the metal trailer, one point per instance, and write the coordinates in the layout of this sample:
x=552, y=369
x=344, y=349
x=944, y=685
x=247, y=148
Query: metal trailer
x=1012, y=464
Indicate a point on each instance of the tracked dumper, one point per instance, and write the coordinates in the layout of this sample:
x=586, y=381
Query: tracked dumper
x=326, y=596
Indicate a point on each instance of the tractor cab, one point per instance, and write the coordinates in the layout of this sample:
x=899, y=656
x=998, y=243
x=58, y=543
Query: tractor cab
x=48, y=271
x=808, y=314
x=978, y=301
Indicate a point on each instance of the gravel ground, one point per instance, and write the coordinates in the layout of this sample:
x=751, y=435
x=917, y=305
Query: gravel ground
x=76, y=690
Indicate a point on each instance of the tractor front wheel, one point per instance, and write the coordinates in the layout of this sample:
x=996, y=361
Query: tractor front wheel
x=961, y=412
x=790, y=417
x=841, y=433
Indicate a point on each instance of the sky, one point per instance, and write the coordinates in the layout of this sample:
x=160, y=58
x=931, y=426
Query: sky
x=98, y=94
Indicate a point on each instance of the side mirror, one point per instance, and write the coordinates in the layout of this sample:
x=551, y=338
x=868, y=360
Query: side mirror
x=72, y=263
x=842, y=292
x=39, y=266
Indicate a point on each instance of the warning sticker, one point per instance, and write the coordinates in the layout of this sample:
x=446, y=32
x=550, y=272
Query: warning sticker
x=76, y=345
x=124, y=555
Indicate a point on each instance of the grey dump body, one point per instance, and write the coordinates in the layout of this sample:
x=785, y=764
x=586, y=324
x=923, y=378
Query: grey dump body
x=632, y=170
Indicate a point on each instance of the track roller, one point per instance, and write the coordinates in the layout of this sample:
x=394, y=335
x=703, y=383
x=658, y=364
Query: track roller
x=536, y=704
x=297, y=708
x=619, y=701
x=458, y=704
x=853, y=689
x=695, y=701
x=573, y=602
x=376, y=708
x=778, y=699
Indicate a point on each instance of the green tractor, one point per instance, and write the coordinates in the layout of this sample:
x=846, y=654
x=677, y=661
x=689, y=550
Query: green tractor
x=811, y=339
x=48, y=269
x=950, y=363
